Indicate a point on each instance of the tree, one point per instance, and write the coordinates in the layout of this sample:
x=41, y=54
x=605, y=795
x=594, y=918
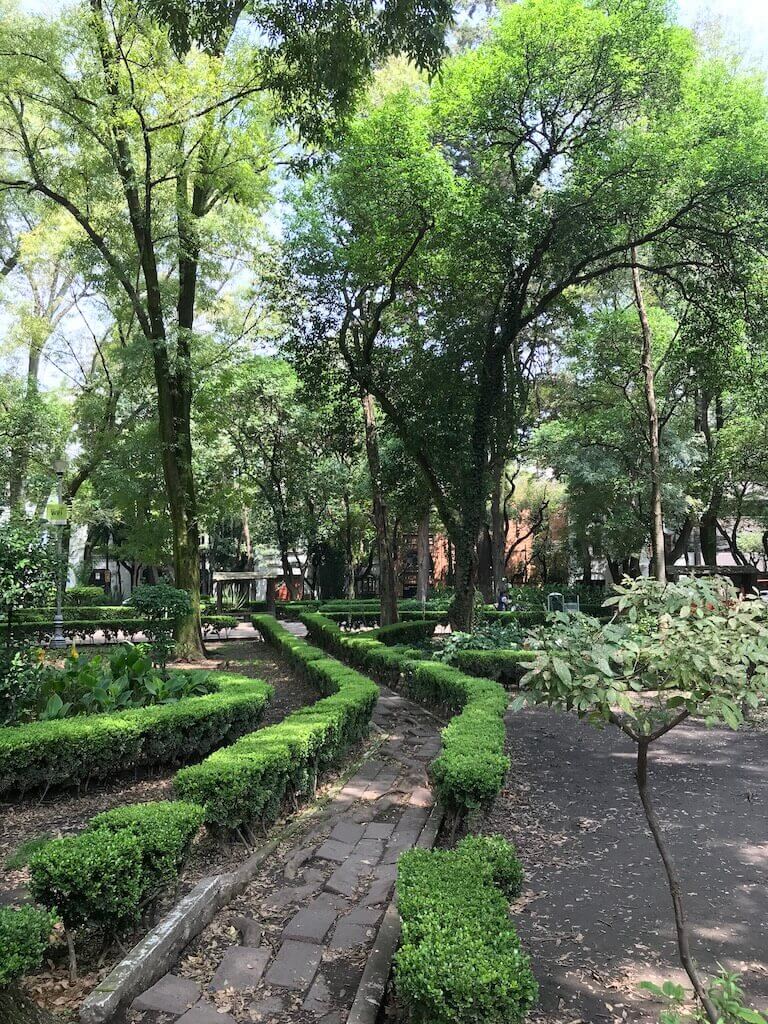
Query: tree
x=155, y=157
x=543, y=166
x=672, y=651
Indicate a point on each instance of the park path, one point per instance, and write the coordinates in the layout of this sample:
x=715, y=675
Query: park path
x=291, y=948
x=595, y=913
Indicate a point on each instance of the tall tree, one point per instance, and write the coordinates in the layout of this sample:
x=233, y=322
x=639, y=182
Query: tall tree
x=576, y=132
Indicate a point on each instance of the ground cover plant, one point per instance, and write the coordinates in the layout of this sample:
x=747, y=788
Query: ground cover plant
x=99, y=683
x=674, y=650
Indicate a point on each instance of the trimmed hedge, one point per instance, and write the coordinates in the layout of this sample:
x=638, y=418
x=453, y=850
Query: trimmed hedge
x=218, y=624
x=72, y=750
x=505, y=667
x=405, y=632
x=470, y=770
x=108, y=874
x=24, y=937
x=460, y=960
x=95, y=877
x=165, y=831
x=78, y=629
x=250, y=780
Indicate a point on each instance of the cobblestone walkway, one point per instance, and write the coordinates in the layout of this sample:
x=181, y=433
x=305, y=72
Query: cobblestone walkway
x=292, y=947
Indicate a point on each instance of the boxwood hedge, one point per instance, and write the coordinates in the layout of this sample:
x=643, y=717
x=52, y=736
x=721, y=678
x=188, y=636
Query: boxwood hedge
x=470, y=769
x=23, y=941
x=72, y=750
x=460, y=960
x=250, y=780
x=110, y=872
x=506, y=667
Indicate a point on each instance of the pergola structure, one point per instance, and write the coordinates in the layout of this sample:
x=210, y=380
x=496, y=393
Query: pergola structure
x=241, y=581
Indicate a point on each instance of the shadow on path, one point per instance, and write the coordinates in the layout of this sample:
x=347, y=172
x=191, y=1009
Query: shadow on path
x=596, y=914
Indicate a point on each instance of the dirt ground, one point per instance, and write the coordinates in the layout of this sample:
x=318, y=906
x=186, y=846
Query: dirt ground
x=596, y=913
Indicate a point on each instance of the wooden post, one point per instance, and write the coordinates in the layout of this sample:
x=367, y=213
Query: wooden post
x=219, y=597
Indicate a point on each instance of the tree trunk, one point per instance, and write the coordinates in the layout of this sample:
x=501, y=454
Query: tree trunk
x=349, y=555
x=247, y=543
x=498, y=534
x=484, y=564
x=461, y=611
x=387, y=577
x=423, y=556
x=675, y=889
x=657, y=513
x=15, y=1008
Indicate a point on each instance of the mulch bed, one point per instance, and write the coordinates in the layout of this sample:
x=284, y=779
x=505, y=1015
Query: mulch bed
x=65, y=812
x=596, y=913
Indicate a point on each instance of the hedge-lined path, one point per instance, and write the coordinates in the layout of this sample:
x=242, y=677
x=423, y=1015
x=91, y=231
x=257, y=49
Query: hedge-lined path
x=596, y=914
x=65, y=812
x=292, y=947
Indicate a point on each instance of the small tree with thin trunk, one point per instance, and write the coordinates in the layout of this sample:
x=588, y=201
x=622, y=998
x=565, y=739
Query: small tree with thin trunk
x=695, y=648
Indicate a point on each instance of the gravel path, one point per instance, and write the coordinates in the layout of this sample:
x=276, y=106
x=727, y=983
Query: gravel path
x=596, y=913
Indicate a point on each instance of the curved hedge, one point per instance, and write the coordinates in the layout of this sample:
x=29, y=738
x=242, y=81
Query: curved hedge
x=250, y=780
x=460, y=960
x=470, y=769
x=72, y=750
x=505, y=667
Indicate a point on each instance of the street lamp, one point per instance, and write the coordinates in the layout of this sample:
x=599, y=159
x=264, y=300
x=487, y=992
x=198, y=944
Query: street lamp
x=58, y=639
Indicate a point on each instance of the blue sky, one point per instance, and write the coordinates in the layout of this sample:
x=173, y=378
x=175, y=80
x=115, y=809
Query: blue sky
x=745, y=21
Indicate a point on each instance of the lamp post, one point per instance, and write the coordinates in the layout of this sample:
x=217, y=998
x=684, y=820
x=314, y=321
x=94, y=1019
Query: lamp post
x=58, y=639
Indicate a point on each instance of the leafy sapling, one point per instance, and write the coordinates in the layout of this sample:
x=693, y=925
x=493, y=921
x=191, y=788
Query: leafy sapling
x=672, y=651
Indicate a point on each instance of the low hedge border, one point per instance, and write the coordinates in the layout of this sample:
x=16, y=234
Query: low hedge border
x=404, y=632
x=24, y=935
x=470, y=770
x=78, y=629
x=108, y=874
x=112, y=627
x=505, y=667
x=460, y=960
x=250, y=780
x=73, y=750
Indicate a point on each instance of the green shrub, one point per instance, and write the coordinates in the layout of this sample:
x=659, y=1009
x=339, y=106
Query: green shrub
x=470, y=769
x=505, y=667
x=490, y=636
x=108, y=874
x=165, y=831
x=83, y=595
x=218, y=624
x=73, y=750
x=95, y=877
x=24, y=937
x=161, y=606
x=405, y=632
x=460, y=960
x=250, y=780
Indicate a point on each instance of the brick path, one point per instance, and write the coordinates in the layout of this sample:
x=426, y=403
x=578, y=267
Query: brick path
x=306, y=923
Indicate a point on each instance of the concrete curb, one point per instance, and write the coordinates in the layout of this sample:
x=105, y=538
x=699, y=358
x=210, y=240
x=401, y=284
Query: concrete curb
x=153, y=956
x=373, y=984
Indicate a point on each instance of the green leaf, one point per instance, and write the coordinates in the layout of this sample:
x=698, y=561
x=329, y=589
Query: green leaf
x=563, y=672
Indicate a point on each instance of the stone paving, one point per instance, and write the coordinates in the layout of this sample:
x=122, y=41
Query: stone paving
x=306, y=923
